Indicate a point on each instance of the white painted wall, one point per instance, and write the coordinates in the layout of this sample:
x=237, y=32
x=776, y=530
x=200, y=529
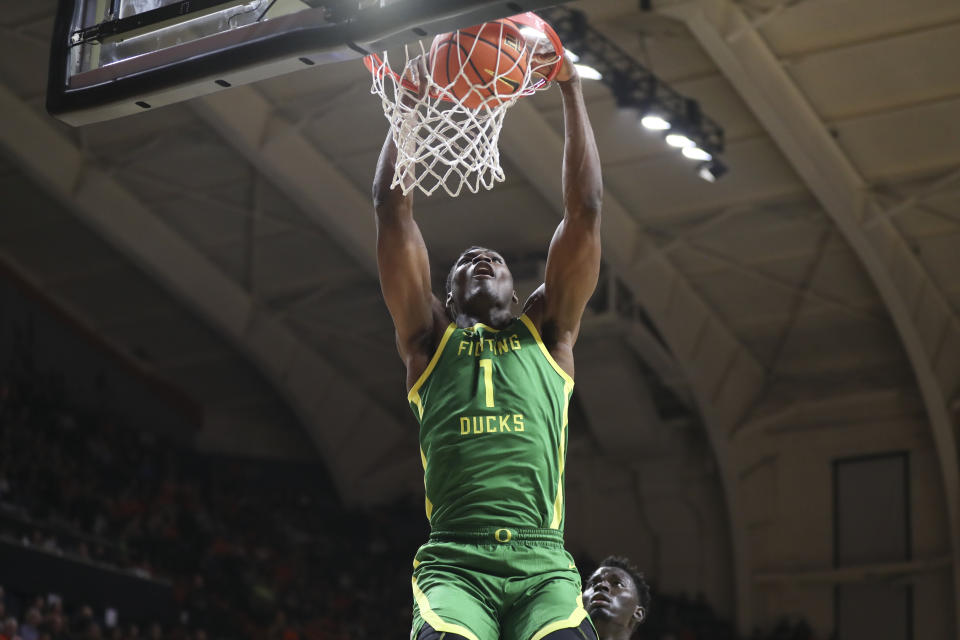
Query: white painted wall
x=786, y=481
x=665, y=513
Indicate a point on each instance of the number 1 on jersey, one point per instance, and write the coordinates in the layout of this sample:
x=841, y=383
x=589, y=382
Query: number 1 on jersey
x=487, y=365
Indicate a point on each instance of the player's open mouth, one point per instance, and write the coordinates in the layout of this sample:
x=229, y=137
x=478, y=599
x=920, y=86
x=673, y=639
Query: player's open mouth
x=596, y=600
x=482, y=271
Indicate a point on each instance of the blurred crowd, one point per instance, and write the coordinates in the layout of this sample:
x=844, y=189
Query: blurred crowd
x=249, y=549
x=788, y=629
x=252, y=549
x=44, y=618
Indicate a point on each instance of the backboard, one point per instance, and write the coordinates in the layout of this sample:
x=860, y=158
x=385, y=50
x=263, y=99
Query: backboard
x=112, y=58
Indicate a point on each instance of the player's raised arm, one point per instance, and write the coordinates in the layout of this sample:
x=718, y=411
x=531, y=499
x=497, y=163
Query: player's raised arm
x=573, y=262
x=402, y=260
x=401, y=257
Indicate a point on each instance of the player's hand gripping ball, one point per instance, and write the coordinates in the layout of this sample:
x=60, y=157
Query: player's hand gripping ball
x=542, y=63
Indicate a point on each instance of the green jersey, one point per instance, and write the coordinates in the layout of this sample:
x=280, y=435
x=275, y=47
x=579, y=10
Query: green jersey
x=492, y=406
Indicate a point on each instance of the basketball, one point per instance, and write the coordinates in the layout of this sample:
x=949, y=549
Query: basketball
x=485, y=64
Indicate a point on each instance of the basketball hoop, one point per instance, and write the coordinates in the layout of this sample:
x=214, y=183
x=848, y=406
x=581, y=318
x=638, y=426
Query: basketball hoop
x=446, y=129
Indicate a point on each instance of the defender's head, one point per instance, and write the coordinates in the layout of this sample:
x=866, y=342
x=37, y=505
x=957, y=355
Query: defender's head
x=617, y=595
x=479, y=281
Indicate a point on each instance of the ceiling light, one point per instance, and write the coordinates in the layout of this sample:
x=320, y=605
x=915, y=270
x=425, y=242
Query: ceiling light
x=711, y=171
x=655, y=122
x=696, y=153
x=679, y=140
x=588, y=73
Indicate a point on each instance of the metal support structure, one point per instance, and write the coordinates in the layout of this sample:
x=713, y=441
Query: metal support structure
x=336, y=415
x=925, y=321
x=631, y=83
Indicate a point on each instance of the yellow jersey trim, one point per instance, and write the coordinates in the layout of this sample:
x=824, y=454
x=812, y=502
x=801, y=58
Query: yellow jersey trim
x=561, y=456
x=435, y=621
x=573, y=621
x=414, y=394
x=528, y=323
x=427, y=505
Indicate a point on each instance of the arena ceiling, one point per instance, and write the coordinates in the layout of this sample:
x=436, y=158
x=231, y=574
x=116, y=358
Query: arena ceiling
x=226, y=244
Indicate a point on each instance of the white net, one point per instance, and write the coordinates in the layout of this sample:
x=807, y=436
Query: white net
x=446, y=107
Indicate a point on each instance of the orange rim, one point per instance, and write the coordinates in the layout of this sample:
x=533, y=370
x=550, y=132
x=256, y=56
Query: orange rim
x=373, y=62
x=530, y=19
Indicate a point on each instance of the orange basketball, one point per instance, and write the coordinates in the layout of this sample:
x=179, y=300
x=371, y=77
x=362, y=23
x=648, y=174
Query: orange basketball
x=485, y=64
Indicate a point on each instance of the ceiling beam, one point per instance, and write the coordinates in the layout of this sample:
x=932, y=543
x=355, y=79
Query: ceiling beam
x=914, y=199
x=339, y=418
x=929, y=330
x=822, y=405
x=276, y=147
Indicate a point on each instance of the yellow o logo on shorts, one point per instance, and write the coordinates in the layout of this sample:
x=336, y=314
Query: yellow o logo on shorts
x=503, y=535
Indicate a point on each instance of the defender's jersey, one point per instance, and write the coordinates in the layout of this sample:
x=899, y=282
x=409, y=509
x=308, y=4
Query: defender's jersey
x=492, y=406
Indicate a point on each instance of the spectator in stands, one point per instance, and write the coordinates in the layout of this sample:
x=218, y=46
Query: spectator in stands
x=30, y=629
x=55, y=625
x=617, y=598
x=9, y=630
x=82, y=622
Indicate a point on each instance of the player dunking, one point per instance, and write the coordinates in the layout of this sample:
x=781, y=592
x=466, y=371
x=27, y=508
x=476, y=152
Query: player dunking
x=491, y=392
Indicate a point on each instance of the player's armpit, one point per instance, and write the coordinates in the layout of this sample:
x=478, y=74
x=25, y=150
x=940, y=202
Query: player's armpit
x=533, y=307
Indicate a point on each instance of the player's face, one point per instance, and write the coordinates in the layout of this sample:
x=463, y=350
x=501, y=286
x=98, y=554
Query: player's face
x=610, y=596
x=481, y=276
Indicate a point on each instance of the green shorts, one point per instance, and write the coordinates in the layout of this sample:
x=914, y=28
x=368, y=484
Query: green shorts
x=493, y=584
